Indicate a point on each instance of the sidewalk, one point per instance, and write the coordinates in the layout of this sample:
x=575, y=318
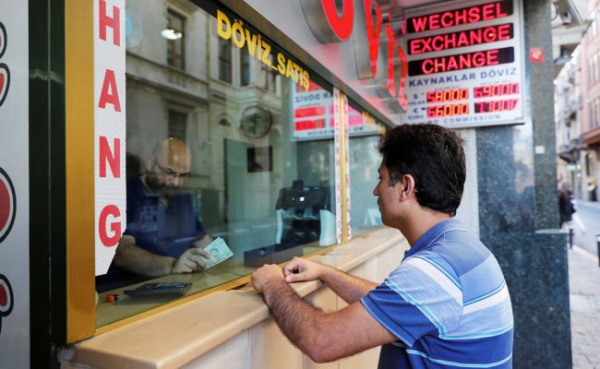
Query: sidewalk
x=584, y=285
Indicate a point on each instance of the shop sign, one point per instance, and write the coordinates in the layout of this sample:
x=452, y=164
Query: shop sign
x=341, y=148
x=245, y=38
x=109, y=128
x=466, y=64
x=8, y=205
x=14, y=185
x=6, y=299
x=314, y=116
x=328, y=25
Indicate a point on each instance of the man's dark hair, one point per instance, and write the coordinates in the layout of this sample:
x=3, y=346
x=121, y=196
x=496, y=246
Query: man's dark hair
x=434, y=156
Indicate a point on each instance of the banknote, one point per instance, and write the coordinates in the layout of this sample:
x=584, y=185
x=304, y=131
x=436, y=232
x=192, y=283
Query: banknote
x=219, y=251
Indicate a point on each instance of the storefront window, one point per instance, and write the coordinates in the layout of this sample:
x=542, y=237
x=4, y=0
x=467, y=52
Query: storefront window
x=213, y=167
x=175, y=39
x=364, y=161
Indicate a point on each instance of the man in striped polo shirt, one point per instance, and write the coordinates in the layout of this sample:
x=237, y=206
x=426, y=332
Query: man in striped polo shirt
x=445, y=306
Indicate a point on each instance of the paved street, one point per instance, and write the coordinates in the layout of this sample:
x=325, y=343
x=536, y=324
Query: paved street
x=586, y=224
x=584, y=283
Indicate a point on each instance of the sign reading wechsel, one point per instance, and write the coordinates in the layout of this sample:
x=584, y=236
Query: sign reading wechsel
x=466, y=64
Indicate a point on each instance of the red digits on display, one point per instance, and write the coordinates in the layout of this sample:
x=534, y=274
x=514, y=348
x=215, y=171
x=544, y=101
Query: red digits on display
x=496, y=90
x=447, y=110
x=495, y=106
x=447, y=95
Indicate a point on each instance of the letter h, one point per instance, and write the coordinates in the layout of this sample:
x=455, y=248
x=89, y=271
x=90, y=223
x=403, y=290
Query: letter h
x=114, y=23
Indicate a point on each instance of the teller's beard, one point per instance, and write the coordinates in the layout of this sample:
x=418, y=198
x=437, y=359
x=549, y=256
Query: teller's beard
x=161, y=188
x=154, y=184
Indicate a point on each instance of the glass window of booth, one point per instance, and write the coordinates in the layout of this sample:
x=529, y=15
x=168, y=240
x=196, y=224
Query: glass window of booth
x=212, y=166
x=364, y=160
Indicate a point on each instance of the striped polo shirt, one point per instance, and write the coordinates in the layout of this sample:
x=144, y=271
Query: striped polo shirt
x=447, y=303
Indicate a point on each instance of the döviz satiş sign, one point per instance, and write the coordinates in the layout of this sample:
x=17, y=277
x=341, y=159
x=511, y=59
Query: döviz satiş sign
x=466, y=64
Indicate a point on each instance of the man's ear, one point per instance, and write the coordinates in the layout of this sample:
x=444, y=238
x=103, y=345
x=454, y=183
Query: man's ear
x=408, y=183
x=150, y=163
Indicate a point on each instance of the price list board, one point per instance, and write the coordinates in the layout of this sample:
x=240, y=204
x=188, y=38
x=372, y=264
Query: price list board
x=466, y=65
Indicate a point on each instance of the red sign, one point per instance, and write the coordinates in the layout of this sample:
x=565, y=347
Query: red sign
x=484, y=35
x=452, y=63
x=536, y=55
x=3, y=39
x=329, y=26
x=459, y=17
x=6, y=298
x=4, y=82
x=8, y=205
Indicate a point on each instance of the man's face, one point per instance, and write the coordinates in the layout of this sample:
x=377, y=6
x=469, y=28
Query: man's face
x=387, y=196
x=169, y=173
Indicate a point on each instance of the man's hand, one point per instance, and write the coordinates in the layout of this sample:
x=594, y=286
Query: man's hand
x=299, y=270
x=190, y=261
x=263, y=276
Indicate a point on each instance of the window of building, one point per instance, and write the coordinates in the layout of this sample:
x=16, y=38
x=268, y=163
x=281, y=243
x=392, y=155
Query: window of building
x=263, y=183
x=175, y=36
x=270, y=79
x=224, y=60
x=244, y=69
x=177, y=125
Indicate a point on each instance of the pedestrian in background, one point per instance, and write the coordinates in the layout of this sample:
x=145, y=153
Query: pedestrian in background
x=565, y=206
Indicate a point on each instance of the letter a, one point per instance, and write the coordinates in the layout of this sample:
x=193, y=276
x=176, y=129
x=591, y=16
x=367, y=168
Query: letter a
x=111, y=97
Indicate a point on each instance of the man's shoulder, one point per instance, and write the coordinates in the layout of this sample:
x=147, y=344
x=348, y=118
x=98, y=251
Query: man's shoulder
x=460, y=250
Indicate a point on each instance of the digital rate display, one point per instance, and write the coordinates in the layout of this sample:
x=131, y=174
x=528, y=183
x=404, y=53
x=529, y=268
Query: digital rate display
x=466, y=63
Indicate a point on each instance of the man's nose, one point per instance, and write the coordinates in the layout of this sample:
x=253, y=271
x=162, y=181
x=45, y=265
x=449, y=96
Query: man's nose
x=175, y=181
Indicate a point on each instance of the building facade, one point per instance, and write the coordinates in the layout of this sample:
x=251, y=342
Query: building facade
x=279, y=106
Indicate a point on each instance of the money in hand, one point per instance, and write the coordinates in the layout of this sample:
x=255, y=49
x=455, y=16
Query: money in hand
x=219, y=251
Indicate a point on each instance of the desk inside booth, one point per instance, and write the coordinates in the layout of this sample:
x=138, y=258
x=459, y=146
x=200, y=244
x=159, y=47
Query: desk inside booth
x=228, y=271
x=302, y=224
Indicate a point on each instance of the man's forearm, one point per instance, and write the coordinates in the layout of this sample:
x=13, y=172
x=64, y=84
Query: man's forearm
x=296, y=318
x=348, y=287
x=139, y=261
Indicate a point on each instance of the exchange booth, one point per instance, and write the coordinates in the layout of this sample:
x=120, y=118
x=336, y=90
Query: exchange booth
x=246, y=130
x=193, y=125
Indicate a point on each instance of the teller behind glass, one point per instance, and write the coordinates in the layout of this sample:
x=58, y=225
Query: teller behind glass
x=163, y=235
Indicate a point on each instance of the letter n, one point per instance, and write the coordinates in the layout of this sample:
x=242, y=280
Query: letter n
x=109, y=93
x=114, y=161
x=106, y=21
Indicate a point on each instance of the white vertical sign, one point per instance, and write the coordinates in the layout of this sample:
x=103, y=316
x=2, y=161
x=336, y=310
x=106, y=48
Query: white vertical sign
x=346, y=127
x=337, y=157
x=109, y=128
x=14, y=185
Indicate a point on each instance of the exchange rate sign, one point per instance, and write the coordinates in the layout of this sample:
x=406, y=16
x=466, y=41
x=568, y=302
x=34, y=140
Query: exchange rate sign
x=466, y=65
